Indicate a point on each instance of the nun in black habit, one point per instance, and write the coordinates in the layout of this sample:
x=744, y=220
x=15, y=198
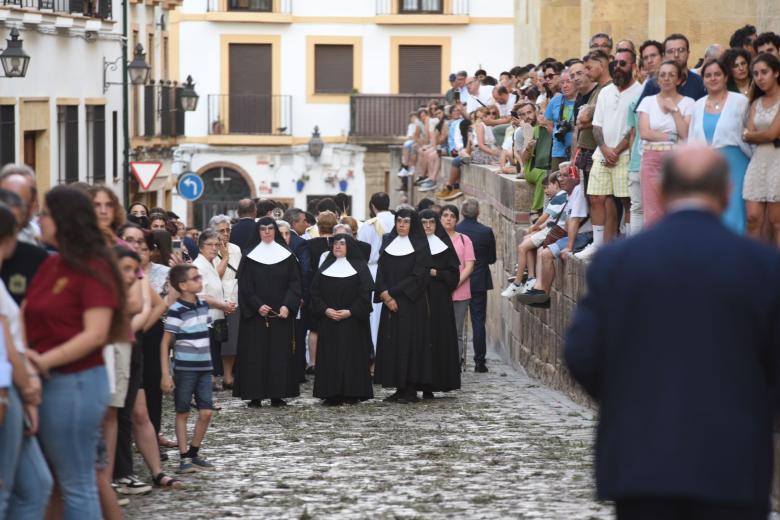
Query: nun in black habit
x=269, y=293
x=403, y=353
x=444, y=277
x=341, y=299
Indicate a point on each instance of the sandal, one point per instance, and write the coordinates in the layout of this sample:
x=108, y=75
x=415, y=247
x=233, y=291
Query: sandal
x=164, y=481
x=166, y=443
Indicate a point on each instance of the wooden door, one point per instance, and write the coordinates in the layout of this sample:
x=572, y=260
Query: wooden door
x=29, y=150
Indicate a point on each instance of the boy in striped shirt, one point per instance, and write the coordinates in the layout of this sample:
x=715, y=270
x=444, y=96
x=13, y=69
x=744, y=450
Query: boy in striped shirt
x=187, y=329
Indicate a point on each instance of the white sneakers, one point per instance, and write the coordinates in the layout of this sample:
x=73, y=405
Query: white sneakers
x=587, y=253
x=513, y=290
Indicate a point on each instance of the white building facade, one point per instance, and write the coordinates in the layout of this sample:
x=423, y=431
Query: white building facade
x=59, y=119
x=269, y=71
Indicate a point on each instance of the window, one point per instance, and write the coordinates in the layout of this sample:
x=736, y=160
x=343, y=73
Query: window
x=68, y=149
x=96, y=143
x=419, y=69
x=420, y=6
x=263, y=6
x=333, y=69
x=7, y=134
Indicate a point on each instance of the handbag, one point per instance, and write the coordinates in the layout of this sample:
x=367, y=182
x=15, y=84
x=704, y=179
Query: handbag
x=220, y=330
x=556, y=232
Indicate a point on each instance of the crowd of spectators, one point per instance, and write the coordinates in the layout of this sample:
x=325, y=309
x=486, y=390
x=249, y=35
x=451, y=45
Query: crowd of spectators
x=605, y=122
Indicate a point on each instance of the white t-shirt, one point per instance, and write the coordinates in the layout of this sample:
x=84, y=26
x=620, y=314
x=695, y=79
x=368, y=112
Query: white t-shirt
x=578, y=208
x=660, y=121
x=485, y=96
x=506, y=108
x=612, y=112
x=212, y=284
x=519, y=139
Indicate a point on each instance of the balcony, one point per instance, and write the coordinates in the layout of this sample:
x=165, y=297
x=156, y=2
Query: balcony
x=416, y=12
x=90, y=8
x=383, y=115
x=267, y=11
x=249, y=115
x=162, y=115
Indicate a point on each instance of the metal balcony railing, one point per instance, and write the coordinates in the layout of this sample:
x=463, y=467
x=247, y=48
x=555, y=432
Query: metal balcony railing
x=252, y=6
x=163, y=113
x=91, y=8
x=250, y=114
x=388, y=7
x=384, y=115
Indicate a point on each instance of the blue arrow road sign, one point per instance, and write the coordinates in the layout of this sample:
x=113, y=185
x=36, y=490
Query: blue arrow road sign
x=190, y=186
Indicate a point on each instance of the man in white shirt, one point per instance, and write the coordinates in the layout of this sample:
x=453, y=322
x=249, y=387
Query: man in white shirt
x=609, y=174
x=479, y=95
x=372, y=232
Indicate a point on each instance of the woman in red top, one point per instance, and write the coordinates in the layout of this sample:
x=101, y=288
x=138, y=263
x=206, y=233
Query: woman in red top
x=74, y=307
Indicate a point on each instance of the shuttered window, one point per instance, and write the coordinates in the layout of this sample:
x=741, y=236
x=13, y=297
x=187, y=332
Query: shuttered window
x=333, y=69
x=96, y=143
x=419, y=69
x=7, y=134
x=68, y=130
x=420, y=6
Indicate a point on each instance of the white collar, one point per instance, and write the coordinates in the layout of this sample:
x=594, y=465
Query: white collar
x=269, y=253
x=436, y=244
x=400, y=246
x=341, y=268
x=323, y=256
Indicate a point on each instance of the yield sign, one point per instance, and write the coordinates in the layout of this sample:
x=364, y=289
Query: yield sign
x=145, y=172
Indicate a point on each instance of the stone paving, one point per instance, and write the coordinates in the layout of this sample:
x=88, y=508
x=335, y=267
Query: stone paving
x=502, y=447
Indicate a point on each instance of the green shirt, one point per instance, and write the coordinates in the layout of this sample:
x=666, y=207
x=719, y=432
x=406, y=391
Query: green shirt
x=585, y=138
x=636, y=153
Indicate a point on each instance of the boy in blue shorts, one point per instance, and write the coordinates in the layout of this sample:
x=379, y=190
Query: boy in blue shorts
x=187, y=329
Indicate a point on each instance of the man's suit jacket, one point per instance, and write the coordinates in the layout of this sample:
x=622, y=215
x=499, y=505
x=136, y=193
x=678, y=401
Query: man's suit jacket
x=300, y=249
x=678, y=338
x=484, y=251
x=242, y=232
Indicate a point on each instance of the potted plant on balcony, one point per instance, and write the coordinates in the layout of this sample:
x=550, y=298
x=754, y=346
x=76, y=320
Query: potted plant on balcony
x=301, y=182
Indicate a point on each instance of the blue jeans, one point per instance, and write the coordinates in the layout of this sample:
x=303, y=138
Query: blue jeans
x=71, y=413
x=189, y=383
x=25, y=481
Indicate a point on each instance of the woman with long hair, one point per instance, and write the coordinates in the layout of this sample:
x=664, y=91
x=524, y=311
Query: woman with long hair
x=718, y=120
x=737, y=65
x=75, y=306
x=663, y=123
x=485, y=150
x=762, y=180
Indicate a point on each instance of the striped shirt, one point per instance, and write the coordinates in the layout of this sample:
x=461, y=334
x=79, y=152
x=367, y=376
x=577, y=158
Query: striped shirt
x=189, y=323
x=555, y=207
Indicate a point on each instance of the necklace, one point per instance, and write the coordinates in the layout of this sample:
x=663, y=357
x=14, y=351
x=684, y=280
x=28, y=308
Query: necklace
x=716, y=103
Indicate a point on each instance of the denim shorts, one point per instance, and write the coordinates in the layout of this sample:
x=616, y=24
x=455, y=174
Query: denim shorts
x=191, y=382
x=580, y=241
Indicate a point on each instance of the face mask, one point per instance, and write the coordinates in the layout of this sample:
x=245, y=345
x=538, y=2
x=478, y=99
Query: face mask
x=142, y=221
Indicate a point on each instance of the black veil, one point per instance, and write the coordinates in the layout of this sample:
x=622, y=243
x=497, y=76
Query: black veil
x=354, y=257
x=416, y=233
x=254, y=240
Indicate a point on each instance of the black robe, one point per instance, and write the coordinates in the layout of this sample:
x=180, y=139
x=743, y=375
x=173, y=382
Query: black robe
x=265, y=366
x=444, y=336
x=403, y=352
x=344, y=347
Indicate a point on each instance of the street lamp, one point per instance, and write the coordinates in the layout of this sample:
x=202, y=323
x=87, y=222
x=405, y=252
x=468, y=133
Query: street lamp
x=188, y=96
x=13, y=58
x=315, y=143
x=138, y=69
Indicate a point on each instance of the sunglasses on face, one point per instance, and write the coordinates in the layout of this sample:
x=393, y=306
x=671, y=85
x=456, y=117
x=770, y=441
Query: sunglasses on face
x=550, y=76
x=678, y=50
x=622, y=63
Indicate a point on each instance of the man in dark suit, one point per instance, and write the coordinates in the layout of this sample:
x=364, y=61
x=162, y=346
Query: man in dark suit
x=678, y=339
x=481, y=281
x=242, y=231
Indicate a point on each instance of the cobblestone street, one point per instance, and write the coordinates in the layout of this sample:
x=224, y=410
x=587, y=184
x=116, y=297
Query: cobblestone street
x=503, y=447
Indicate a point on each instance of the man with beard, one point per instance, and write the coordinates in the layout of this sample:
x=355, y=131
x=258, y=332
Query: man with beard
x=534, y=151
x=609, y=176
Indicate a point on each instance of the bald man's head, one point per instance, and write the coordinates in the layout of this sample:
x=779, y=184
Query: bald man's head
x=696, y=172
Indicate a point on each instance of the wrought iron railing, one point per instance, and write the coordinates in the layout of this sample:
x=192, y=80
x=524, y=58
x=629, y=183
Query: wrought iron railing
x=250, y=114
x=92, y=8
x=384, y=115
x=453, y=7
x=253, y=6
x=163, y=113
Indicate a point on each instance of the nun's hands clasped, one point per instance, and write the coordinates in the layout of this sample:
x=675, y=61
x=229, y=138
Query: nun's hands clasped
x=264, y=310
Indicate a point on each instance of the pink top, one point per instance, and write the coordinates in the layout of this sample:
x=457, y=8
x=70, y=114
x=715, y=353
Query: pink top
x=465, y=250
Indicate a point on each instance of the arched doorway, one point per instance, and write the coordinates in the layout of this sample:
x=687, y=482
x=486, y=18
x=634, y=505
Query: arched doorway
x=223, y=188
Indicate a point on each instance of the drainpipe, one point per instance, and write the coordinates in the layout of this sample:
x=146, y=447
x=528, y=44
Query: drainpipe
x=125, y=109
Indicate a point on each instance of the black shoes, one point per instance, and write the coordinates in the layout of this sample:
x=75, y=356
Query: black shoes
x=255, y=403
x=332, y=401
x=393, y=398
x=276, y=403
x=481, y=368
x=533, y=296
x=428, y=395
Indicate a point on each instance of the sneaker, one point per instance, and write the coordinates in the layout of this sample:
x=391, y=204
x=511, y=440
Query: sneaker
x=454, y=194
x=131, y=485
x=481, y=368
x=403, y=172
x=443, y=193
x=201, y=464
x=420, y=180
x=534, y=296
x=587, y=253
x=186, y=465
x=512, y=290
x=529, y=284
x=427, y=185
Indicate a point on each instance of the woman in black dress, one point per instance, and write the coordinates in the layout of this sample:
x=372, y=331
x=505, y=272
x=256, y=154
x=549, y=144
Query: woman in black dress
x=269, y=293
x=341, y=300
x=444, y=277
x=403, y=355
